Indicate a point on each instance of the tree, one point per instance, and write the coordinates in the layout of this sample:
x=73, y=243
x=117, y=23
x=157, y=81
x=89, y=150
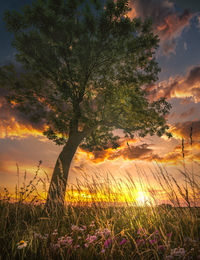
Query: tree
x=85, y=67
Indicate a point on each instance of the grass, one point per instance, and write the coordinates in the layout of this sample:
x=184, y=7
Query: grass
x=97, y=226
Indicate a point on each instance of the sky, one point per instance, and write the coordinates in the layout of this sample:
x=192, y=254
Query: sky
x=177, y=24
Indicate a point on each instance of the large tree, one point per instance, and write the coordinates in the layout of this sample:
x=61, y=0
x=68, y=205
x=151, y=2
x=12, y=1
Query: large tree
x=85, y=68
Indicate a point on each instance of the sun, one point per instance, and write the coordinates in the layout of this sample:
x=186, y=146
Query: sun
x=142, y=198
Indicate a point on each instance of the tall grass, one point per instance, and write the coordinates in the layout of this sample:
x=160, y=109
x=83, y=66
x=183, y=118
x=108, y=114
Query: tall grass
x=104, y=219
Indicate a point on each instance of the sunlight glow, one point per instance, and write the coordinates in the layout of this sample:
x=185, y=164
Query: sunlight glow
x=142, y=198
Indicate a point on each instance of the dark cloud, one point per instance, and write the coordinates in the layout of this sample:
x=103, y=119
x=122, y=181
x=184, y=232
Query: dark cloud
x=183, y=130
x=192, y=5
x=15, y=118
x=132, y=152
x=15, y=123
x=168, y=23
x=125, y=151
x=193, y=76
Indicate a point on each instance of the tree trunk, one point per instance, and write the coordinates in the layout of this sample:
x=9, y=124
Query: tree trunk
x=56, y=194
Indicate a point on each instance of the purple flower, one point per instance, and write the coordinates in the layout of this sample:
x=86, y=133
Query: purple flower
x=161, y=247
x=169, y=235
x=140, y=242
x=107, y=243
x=91, y=239
x=106, y=232
x=152, y=241
x=123, y=242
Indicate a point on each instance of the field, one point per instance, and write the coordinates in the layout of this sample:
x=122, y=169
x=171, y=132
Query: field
x=97, y=226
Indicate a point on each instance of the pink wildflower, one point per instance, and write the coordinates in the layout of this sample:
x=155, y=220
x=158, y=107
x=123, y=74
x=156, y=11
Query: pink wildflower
x=161, y=247
x=140, y=242
x=91, y=239
x=106, y=232
x=75, y=228
x=152, y=241
x=123, y=242
x=107, y=243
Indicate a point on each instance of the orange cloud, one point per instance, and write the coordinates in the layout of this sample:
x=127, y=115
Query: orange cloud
x=14, y=124
x=183, y=87
x=10, y=128
x=167, y=22
x=127, y=151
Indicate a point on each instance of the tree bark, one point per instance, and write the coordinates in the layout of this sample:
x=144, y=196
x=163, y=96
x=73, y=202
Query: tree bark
x=56, y=194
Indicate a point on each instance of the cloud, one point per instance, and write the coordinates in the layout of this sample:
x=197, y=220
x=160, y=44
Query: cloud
x=127, y=151
x=15, y=124
x=187, y=112
x=187, y=86
x=170, y=158
x=183, y=130
x=185, y=46
x=192, y=5
x=168, y=23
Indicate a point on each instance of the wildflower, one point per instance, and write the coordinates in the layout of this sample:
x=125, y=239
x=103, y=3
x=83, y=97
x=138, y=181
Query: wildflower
x=123, y=242
x=92, y=224
x=55, y=247
x=76, y=246
x=106, y=232
x=65, y=241
x=103, y=251
x=22, y=244
x=152, y=241
x=55, y=233
x=140, y=242
x=178, y=252
x=107, y=243
x=169, y=235
x=161, y=247
x=91, y=239
x=75, y=228
x=86, y=244
x=69, y=240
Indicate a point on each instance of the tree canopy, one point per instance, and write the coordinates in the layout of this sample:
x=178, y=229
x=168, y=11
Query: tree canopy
x=85, y=63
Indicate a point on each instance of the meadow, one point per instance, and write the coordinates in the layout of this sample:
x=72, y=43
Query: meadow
x=102, y=221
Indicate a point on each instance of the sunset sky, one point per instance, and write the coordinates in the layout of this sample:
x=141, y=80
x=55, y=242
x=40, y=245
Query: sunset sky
x=178, y=27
